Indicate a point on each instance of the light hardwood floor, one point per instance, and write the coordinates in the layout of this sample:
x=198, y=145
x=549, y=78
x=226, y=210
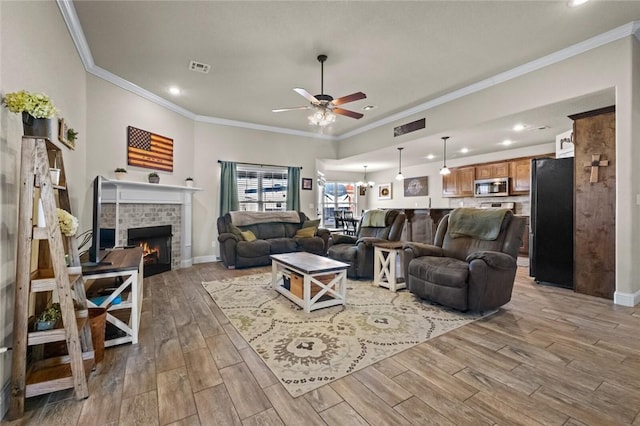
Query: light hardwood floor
x=548, y=357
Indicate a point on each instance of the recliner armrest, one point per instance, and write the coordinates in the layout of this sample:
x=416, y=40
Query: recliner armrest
x=370, y=241
x=494, y=259
x=420, y=249
x=342, y=239
x=323, y=233
x=227, y=236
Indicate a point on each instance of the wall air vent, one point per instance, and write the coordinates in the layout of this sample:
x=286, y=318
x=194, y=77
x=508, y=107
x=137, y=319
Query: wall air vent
x=199, y=67
x=539, y=127
x=409, y=127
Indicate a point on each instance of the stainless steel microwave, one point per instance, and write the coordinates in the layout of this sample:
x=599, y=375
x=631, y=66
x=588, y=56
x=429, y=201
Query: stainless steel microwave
x=497, y=187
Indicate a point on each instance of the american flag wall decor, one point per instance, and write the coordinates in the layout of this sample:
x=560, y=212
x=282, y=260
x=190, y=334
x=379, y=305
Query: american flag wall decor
x=146, y=149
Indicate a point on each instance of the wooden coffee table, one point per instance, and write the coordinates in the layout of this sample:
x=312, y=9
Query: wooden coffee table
x=326, y=277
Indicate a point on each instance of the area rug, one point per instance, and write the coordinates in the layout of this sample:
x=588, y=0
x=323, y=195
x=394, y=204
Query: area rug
x=306, y=351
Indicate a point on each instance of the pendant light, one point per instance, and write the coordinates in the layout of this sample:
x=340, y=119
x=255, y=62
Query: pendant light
x=363, y=184
x=445, y=170
x=400, y=176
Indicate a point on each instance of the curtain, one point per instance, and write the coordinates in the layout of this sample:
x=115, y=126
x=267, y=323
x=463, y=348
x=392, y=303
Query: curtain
x=293, y=188
x=228, y=188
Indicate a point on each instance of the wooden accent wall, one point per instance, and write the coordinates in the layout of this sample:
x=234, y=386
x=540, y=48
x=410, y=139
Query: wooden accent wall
x=595, y=220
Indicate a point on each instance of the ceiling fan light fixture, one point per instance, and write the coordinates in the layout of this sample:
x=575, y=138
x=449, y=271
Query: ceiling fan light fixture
x=445, y=170
x=322, y=117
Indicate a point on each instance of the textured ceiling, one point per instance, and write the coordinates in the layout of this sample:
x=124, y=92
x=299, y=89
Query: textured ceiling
x=401, y=54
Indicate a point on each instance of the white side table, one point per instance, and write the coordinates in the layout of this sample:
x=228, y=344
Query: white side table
x=386, y=272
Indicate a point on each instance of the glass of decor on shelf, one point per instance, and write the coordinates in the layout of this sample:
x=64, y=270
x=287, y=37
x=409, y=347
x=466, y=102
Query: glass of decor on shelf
x=154, y=177
x=120, y=173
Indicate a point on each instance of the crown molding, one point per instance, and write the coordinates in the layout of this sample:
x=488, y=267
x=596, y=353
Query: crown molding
x=262, y=127
x=632, y=28
x=70, y=17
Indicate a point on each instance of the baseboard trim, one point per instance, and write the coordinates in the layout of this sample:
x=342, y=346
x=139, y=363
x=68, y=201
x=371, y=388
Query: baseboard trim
x=626, y=299
x=205, y=259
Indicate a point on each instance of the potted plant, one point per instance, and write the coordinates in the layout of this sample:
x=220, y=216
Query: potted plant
x=189, y=181
x=154, y=177
x=48, y=318
x=37, y=111
x=120, y=173
x=72, y=135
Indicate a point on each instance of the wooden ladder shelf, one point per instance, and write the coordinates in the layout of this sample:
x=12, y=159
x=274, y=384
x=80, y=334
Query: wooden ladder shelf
x=42, y=275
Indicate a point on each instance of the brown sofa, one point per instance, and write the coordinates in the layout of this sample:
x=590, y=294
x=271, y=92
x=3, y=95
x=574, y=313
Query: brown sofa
x=272, y=237
x=464, y=272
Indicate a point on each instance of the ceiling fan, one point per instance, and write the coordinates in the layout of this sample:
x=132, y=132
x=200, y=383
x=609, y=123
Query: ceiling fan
x=324, y=105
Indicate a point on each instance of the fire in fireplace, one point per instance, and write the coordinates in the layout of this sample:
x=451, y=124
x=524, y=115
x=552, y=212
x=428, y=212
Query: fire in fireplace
x=156, y=247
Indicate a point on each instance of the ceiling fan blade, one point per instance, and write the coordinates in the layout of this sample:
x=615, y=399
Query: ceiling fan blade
x=348, y=113
x=307, y=95
x=290, y=109
x=349, y=98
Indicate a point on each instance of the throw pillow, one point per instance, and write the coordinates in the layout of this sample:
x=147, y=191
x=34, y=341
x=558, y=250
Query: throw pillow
x=306, y=232
x=236, y=231
x=248, y=236
x=311, y=223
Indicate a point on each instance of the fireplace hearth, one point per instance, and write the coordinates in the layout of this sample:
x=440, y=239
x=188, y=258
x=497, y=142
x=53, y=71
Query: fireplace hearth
x=156, y=247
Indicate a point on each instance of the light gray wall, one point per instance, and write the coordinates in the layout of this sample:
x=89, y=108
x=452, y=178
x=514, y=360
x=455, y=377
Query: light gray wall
x=214, y=142
x=614, y=65
x=36, y=55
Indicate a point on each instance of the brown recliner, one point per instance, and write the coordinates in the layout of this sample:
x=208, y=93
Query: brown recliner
x=358, y=250
x=466, y=273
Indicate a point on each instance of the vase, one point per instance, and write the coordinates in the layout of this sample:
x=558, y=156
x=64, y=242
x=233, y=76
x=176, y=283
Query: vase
x=45, y=325
x=55, y=176
x=39, y=127
x=154, y=179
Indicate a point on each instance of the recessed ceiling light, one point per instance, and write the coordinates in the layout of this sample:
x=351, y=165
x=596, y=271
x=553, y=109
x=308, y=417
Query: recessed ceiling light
x=518, y=127
x=574, y=3
x=464, y=150
x=507, y=142
x=430, y=157
x=368, y=107
x=174, y=90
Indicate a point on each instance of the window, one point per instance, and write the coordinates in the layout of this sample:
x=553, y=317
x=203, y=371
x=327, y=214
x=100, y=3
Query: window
x=337, y=196
x=262, y=188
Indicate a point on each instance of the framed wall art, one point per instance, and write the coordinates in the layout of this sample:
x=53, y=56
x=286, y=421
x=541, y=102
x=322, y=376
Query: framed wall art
x=146, y=149
x=66, y=135
x=384, y=191
x=416, y=186
x=307, y=184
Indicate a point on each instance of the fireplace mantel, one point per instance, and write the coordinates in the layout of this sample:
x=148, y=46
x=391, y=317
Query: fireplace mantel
x=128, y=192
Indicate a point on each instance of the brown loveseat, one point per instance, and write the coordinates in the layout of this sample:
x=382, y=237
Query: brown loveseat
x=275, y=232
x=473, y=269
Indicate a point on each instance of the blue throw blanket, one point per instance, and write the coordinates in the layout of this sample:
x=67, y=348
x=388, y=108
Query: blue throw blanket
x=483, y=224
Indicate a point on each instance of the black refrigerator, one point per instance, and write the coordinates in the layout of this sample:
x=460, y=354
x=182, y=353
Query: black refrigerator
x=551, y=228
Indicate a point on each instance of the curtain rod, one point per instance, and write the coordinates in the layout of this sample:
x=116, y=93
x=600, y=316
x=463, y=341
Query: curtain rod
x=254, y=164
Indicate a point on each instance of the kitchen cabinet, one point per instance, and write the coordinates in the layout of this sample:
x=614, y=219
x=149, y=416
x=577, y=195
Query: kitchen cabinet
x=459, y=183
x=492, y=170
x=520, y=176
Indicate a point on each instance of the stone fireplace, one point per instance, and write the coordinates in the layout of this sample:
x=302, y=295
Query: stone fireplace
x=127, y=205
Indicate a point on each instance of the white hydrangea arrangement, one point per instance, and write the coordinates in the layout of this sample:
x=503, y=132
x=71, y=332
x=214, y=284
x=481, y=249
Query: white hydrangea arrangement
x=38, y=105
x=68, y=223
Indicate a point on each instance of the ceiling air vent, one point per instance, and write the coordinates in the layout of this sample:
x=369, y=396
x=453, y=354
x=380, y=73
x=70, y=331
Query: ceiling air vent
x=199, y=67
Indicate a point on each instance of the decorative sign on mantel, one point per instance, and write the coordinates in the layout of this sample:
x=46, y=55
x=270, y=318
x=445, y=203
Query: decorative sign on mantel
x=146, y=149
